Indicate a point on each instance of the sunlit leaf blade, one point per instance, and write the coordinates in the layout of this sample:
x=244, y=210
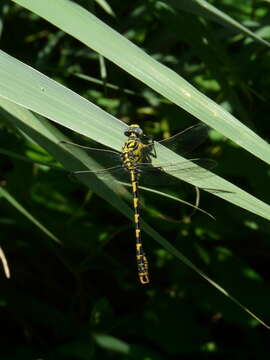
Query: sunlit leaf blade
x=4, y=263
x=112, y=343
x=31, y=89
x=106, y=7
x=84, y=26
x=49, y=137
x=204, y=8
x=6, y=195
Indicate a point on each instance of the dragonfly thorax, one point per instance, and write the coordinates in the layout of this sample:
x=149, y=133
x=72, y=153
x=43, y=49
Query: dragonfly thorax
x=132, y=152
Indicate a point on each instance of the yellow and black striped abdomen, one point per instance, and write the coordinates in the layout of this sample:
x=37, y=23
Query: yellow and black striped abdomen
x=142, y=262
x=132, y=154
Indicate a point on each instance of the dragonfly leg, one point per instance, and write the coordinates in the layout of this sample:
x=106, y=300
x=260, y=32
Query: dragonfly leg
x=149, y=150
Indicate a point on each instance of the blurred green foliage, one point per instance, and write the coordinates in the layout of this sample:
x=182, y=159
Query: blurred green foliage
x=81, y=299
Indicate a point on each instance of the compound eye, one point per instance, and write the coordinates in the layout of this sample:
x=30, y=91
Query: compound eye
x=139, y=131
x=135, y=130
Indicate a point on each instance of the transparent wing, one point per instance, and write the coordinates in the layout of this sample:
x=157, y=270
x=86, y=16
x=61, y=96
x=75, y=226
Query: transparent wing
x=105, y=158
x=192, y=169
x=156, y=175
x=117, y=172
x=110, y=164
x=187, y=140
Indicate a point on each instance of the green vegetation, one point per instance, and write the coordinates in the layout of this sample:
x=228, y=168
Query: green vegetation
x=82, y=71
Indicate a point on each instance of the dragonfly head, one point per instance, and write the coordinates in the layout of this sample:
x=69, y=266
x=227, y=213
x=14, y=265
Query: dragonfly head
x=134, y=130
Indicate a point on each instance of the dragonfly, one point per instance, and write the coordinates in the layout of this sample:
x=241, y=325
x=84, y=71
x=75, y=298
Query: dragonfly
x=133, y=165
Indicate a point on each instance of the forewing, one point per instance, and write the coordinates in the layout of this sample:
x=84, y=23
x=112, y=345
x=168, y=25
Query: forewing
x=116, y=173
x=159, y=174
x=187, y=140
x=103, y=157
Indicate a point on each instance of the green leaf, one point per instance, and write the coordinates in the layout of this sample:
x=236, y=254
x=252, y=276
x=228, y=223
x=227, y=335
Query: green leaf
x=112, y=343
x=91, y=31
x=5, y=194
x=31, y=89
x=204, y=8
x=106, y=7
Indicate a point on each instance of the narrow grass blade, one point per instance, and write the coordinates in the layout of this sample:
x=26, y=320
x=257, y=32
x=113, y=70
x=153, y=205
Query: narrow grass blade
x=87, y=28
x=31, y=89
x=5, y=194
x=187, y=262
x=204, y=8
x=106, y=7
x=4, y=263
x=112, y=343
